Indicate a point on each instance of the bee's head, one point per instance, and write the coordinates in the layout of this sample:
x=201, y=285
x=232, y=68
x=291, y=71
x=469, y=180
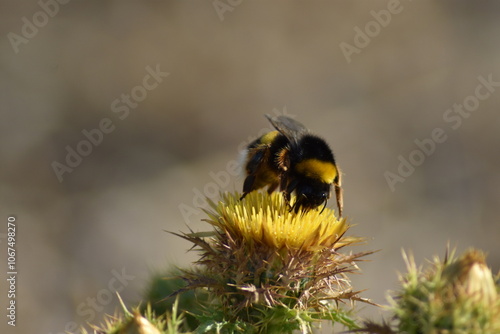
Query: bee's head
x=311, y=194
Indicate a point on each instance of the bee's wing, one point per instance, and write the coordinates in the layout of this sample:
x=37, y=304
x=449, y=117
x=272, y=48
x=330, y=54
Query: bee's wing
x=289, y=127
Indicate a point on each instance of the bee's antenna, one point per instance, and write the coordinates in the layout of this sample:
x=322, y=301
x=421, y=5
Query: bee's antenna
x=324, y=206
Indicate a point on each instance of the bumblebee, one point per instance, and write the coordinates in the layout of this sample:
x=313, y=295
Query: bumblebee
x=294, y=160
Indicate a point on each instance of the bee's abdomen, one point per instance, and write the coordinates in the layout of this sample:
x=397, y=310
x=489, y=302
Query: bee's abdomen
x=323, y=171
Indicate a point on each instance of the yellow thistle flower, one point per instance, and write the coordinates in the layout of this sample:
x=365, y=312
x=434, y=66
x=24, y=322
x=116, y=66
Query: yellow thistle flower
x=267, y=219
x=265, y=265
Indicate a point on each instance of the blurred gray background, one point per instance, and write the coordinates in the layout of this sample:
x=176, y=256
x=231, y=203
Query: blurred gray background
x=67, y=67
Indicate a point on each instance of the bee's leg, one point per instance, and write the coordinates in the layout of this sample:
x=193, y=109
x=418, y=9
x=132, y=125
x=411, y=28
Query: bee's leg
x=287, y=190
x=339, y=194
x=252, y=169
x=340, y=199
x=248, y=185
x=283, y=186
x=286, y=196
x=272, y=187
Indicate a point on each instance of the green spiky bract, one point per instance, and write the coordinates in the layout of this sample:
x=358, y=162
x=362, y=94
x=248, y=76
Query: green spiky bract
x=137, y=322
x=454, y=296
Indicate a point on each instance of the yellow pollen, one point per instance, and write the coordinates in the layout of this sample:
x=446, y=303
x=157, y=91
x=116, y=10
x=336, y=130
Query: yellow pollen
x=267, y=219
